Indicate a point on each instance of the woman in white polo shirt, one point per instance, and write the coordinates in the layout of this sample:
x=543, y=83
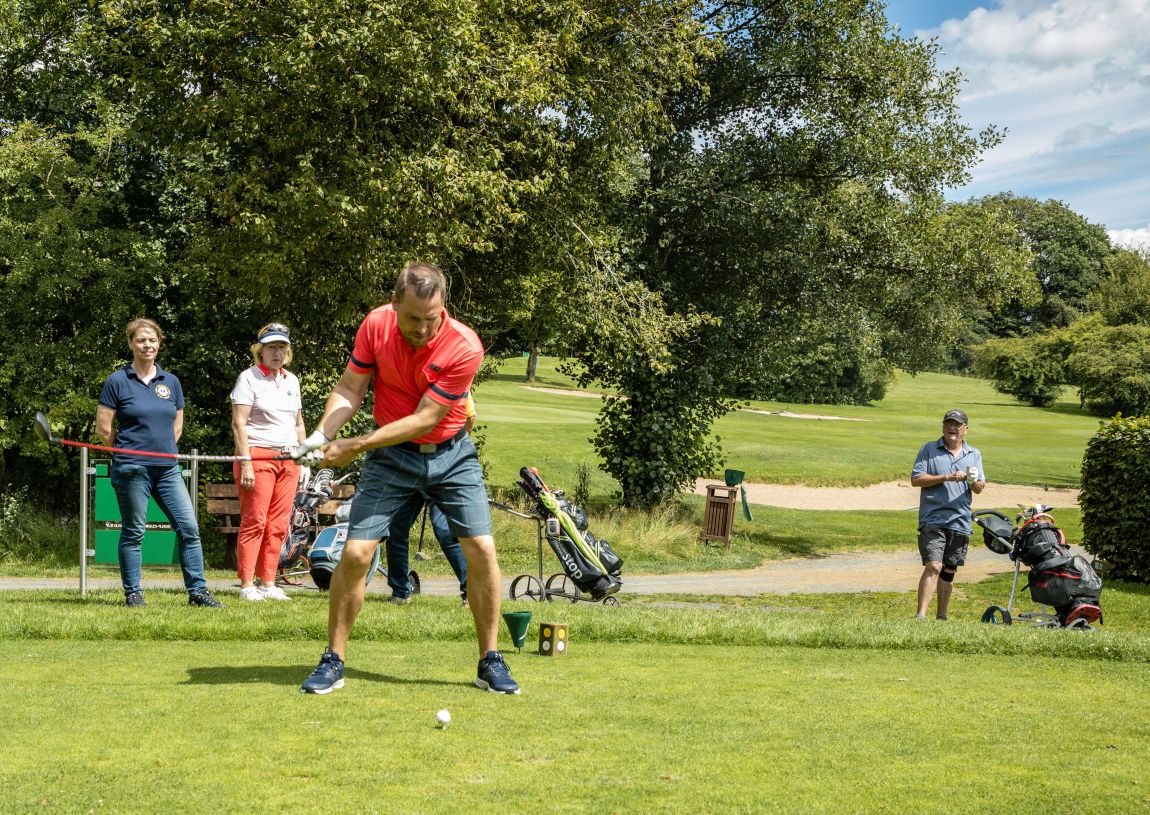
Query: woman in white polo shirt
x=267, y=417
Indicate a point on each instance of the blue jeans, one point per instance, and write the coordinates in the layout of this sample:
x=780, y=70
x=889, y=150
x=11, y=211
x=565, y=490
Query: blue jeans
x=398, y=544
x=134, y=484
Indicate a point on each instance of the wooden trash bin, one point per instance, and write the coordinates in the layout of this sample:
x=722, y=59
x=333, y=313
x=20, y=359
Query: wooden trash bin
x=719, y=517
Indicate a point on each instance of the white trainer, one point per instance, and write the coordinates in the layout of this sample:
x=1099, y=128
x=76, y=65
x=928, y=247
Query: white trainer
x=251, y=593
x=274, y=593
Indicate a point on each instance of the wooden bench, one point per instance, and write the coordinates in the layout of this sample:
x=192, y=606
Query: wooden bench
x=224, y=501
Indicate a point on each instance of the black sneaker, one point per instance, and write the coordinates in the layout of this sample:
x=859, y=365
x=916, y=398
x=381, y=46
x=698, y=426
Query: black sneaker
x=134, y=600
x=326, y=677
x=205, y=599
x=494, y=675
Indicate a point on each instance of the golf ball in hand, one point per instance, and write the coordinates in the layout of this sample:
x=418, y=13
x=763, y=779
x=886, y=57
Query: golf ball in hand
x=443, y=717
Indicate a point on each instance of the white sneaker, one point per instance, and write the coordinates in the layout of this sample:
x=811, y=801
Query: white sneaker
x=274, y=593
x=250, y=593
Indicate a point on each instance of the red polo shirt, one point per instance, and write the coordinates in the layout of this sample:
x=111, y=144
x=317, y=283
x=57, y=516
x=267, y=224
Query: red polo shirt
x=443, y=369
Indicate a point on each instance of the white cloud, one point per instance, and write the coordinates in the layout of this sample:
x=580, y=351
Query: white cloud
x=1070, y=82
x=1131, y=238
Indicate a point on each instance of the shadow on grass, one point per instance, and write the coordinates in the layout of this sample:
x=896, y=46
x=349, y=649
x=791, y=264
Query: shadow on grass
x=789, y=545
x=290, y=675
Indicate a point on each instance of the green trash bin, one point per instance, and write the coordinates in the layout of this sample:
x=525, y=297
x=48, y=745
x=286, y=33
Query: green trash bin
x=160, y=546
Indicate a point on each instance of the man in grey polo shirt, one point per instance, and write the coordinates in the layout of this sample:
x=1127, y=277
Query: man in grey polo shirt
x=948, y=471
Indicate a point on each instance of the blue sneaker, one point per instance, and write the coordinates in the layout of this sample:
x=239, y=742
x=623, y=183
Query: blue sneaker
x=494, y=675
x=204, y=599
x=326, y=677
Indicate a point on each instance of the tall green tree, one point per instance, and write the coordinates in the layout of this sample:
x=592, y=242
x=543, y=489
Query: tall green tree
x=1068, y=253
x=223, y=163
x=799, y=185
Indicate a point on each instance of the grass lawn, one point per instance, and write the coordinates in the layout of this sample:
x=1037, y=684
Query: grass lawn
x=654, y=710
x=794, y=704
x=1020, y=444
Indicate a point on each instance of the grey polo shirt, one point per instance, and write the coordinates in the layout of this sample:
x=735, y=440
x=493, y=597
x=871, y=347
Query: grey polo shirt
x=946, y=505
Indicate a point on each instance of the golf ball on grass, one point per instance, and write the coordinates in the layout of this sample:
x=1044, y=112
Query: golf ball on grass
x=443, y=717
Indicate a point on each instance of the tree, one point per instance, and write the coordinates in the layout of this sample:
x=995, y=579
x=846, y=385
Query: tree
x=798, y=186
x=1068, y=255
x=1123, y=294
x=1111, y=366
x=218, y=164
x=1027, y=368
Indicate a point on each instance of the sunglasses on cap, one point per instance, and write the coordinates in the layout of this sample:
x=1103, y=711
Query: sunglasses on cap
x=274, y=332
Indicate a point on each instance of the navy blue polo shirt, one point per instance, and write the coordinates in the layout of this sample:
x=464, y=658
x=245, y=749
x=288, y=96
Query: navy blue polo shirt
x=145, y=414
x=946, y=505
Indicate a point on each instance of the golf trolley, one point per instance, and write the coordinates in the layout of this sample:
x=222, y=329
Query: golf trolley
x=303, y=555
x=1067, y=585
x=591, y=570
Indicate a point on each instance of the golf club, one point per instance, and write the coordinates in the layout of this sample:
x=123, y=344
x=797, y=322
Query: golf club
x=44, y=431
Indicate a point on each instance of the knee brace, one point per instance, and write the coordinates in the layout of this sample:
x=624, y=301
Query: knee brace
x=947, y=575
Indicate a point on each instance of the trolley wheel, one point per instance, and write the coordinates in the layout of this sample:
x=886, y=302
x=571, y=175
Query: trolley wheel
x=527, y=587
x=996, y=615
x=611, y=600
x=295, y=577
x=413, y=579
x=560, y=585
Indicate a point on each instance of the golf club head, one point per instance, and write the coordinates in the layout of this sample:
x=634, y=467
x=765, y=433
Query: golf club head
x=43, y=429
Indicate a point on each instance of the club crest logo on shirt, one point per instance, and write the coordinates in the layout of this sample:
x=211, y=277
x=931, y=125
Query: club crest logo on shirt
x=163, y=391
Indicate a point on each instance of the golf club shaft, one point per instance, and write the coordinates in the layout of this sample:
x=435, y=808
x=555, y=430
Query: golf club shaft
x=44, y=431
x=173, y=456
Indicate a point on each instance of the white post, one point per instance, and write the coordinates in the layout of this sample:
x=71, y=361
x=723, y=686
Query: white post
x=83, y=521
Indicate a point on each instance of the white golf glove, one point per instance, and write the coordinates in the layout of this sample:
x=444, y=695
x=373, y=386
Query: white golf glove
x=972, y=475
x=307, y=452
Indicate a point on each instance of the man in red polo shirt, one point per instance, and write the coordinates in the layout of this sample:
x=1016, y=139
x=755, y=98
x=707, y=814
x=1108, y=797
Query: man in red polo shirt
x=421, y=362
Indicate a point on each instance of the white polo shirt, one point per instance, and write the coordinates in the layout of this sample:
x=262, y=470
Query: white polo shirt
x=274, y=400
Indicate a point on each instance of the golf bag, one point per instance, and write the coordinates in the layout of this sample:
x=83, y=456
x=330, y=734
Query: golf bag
x=1072, y=587
x=1039, y=543
x=304, y=514
x=1069, y=584
x=327, y=550
x=591, y=563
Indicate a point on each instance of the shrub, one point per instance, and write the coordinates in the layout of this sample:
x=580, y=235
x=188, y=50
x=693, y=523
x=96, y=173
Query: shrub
x=1115, y=497
x=35, y=535
x=1027, y=368
x=1111, y=365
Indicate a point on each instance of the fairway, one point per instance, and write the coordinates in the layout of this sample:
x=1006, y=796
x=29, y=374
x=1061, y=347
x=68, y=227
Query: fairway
x=1020, y=444
x=204, y=726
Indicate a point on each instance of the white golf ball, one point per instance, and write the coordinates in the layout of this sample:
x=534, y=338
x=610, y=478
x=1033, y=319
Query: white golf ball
x=443, y=717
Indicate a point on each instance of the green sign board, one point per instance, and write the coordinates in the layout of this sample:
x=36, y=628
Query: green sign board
x=159, y=546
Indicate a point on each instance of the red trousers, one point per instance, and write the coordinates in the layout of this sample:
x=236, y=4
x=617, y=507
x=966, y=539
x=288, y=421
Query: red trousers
x=265, y=512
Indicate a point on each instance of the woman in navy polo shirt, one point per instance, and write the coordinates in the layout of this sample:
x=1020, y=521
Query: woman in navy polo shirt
x=147, y=405
x=267, y=418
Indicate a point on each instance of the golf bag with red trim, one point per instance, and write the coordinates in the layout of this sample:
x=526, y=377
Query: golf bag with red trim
x=1069, y=584
x=591, y=563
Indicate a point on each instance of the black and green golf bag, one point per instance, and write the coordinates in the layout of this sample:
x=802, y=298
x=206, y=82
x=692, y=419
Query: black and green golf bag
x=591, y=564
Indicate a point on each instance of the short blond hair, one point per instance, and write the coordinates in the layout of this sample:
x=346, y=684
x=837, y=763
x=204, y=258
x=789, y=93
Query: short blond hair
x=257, y=354
x=143, y=322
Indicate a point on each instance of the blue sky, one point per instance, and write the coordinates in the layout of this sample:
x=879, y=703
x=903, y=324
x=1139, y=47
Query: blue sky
x=1070, y=82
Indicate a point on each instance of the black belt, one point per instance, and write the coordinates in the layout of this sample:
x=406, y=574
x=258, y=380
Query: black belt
x=428, y=449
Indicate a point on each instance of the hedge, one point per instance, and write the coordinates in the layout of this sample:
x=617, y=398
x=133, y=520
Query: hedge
x=1115, y=497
